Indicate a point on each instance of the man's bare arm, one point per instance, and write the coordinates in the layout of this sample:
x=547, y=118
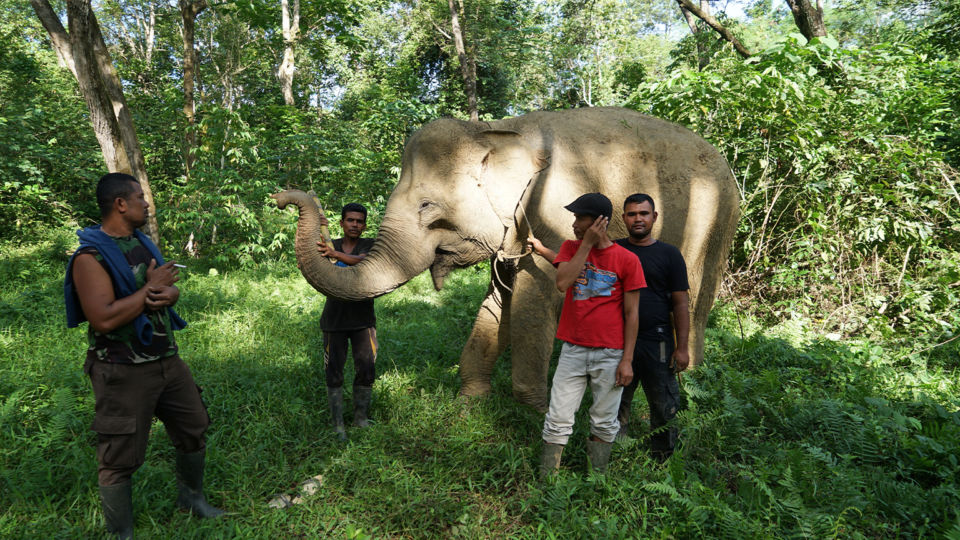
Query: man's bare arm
x=161, y=297
x=681, y=325
x=569, y=271
x=631, y=322
x=537, y=247
x=345, y=258
x=94, y=288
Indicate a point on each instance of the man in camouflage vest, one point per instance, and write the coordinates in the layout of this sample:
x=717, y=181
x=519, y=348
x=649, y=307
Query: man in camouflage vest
x=117, y=281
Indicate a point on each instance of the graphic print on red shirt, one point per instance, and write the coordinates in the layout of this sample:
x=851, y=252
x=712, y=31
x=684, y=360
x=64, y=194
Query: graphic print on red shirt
x=594, y=282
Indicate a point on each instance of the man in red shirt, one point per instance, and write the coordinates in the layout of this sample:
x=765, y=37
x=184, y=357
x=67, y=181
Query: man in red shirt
x=598, y=326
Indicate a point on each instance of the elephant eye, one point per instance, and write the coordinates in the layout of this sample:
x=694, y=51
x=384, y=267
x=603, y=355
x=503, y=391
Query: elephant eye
x=428, y=212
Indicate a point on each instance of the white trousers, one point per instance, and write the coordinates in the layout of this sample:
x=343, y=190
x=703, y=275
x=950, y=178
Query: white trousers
x=577, y=367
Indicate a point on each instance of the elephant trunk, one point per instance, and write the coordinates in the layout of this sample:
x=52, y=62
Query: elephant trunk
x=387, y=267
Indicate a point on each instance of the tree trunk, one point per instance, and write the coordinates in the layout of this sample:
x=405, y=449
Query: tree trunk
x=150, y=27
x=724, y=32
x=809, y=18
x=84, y=52
x=468, y=67
x=703, y=57
x=695, y=32
x=146, y=25
x=189, y=9
x=291, y=31
x=58, y=36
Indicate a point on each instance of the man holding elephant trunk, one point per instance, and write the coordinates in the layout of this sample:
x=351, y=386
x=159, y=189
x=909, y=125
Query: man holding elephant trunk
x=349, y=323
x=598, y=325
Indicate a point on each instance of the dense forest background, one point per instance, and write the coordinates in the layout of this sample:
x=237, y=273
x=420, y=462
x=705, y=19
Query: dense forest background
x=845, y=145
x=828, y=403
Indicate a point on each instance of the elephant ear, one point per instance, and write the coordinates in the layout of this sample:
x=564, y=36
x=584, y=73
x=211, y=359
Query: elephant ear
x=508, y=167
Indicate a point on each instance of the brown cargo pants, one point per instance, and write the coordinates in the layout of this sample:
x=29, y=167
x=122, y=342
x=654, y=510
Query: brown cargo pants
x=128, y=396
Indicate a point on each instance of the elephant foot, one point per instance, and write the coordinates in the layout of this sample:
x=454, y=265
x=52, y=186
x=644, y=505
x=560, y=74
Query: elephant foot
x=535, y=399
x=475, y=389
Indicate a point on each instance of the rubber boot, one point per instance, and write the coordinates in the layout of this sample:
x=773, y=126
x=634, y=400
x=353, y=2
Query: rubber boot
x=623, y=418
x=335, y=399
x=550, y=460
x=623, y=433
x=361, y=405
x=118, y=509
x=599, y=454
x=190, y=486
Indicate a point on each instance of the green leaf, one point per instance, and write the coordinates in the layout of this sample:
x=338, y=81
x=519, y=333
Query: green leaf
x=826, y=41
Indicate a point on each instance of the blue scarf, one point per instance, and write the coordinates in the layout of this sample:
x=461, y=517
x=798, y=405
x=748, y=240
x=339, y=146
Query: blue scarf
x=124, y=282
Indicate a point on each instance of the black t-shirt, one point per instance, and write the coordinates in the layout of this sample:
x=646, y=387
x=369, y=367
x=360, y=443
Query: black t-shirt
x=343, y=316
x=665, y=272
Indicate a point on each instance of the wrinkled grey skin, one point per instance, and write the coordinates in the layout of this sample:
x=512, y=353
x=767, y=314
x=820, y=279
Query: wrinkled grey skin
x=458, y=202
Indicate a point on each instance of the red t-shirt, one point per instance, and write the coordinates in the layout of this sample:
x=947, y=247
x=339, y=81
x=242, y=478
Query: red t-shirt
x=592, y=313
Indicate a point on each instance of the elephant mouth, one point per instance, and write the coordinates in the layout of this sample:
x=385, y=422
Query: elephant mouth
x=443, y=263
x=461, y=256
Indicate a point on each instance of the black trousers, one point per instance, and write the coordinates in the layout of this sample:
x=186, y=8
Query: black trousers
x=364, y=345
x=651, y=370
x=128, y=396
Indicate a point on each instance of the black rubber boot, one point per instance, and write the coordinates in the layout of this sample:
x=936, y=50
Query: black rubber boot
x=190, y=486
x=335, y=399
x=118, y=509
x=623, y=435
x=599, y=454
x=550, y=460
x=361, y=405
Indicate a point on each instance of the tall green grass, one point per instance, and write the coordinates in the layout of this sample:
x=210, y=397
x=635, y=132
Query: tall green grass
x=787, y=434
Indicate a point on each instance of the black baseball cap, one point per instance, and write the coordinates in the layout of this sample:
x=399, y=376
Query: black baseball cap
x=591, y=204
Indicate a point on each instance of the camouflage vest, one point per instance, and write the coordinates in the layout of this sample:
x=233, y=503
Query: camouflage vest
x=122, y=345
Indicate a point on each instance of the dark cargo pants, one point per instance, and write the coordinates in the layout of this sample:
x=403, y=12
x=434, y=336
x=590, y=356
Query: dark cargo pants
x=651, y=369
x=364, y=344
x=128, y=396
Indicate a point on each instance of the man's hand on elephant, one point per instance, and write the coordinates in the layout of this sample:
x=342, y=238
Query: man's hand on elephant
x=537, y=246
x=681, y=360
x=597, y=232
x=534, y=244
x=327, y=251
x=624, y=373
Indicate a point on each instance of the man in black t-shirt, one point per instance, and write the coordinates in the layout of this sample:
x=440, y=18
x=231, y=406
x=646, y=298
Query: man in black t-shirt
x=661, y=349
x=353, y=323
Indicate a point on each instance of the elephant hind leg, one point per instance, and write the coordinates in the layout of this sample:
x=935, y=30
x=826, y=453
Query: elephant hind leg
x=487, y=341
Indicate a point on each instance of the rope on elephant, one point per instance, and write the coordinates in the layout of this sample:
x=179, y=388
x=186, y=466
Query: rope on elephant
x=502, y=255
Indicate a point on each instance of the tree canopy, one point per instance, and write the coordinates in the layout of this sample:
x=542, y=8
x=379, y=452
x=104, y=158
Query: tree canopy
x=844, y=141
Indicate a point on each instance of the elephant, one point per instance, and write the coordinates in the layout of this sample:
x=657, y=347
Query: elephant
x=472, y=191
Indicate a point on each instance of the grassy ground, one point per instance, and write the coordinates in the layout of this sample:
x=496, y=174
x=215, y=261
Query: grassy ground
x=787, y=434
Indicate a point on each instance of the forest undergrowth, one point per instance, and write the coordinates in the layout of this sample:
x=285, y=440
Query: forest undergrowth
x=787, y=433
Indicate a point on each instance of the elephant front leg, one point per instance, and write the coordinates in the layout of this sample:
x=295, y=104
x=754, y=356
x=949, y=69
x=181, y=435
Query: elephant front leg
x=489, y=336
x=534, y=309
